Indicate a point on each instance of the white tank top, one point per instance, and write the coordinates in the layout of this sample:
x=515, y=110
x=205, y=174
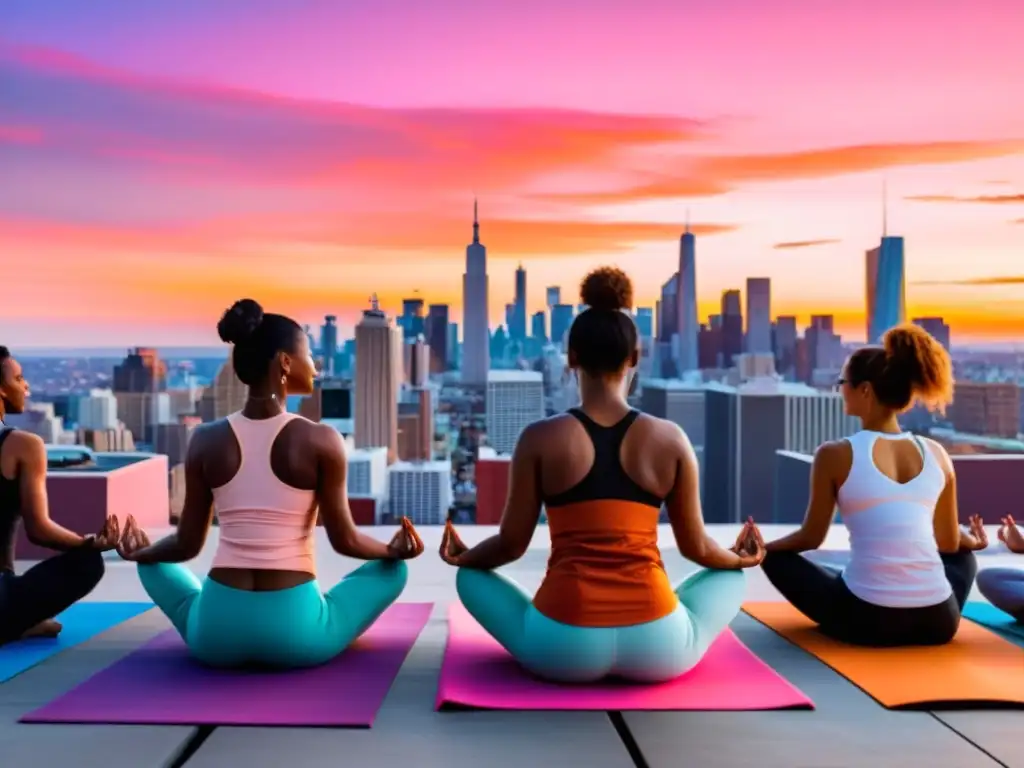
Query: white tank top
x=894, y=559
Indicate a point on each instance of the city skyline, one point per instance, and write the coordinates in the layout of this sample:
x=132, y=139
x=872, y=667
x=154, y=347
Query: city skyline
x=288, y=159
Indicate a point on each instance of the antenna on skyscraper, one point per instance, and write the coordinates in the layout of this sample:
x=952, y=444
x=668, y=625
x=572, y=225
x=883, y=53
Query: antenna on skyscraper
x=476, y=222
x=687, y=221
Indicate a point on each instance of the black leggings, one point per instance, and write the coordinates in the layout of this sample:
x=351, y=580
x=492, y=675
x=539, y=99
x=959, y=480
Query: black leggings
x=820, y=593
x=46, y=589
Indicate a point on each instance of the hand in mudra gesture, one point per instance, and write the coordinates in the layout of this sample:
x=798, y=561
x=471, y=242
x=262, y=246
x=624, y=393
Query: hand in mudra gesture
x=109, y=536
x=452, y=546
x=133, y=541
x=406, y=543
x=749, y=545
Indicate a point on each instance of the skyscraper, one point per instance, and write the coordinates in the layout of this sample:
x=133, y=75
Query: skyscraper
x=732, y=327
x=538, y=326
x=937, y=327
x=476, y=358
x=561, y=321
x=686, y=301
x=554, y=296
x=886, y=282
x=329, y=342
x=415, y=361
x=514, y=400
x=518, y=328
x=759, y=315
x=668, y=320
x=437, y=337
x=378, y=380
x=411, y=320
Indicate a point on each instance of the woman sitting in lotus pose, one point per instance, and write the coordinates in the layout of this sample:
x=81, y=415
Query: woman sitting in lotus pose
x=911, y=566
x=1004, y=587
x=603, y=472
x=265, y=472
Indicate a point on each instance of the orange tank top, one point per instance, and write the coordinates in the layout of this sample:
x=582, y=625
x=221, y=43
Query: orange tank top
x=605, y=568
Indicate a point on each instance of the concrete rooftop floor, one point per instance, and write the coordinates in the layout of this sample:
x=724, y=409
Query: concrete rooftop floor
x=847, y=730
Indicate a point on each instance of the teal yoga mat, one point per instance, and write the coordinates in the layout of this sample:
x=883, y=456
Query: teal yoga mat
x=993, y=618
x=81, y=621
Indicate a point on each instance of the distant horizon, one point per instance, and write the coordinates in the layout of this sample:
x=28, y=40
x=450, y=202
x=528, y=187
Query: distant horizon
x=163, y=163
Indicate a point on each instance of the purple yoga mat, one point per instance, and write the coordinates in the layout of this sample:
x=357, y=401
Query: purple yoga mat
x=159, y=684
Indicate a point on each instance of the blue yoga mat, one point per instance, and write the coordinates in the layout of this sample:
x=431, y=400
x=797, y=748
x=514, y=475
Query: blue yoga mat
x=81, y=622
x=993, y=618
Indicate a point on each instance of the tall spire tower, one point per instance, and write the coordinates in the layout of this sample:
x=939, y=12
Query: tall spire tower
x=686, y=300
x=476, y=336
x=886, y=279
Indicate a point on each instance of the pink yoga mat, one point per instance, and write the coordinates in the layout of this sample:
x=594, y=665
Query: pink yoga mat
x=160, y=684
x=479, y=673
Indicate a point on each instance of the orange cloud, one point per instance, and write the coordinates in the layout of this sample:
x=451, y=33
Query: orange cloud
x=986, y=199
x=794, y=244
x=978, y=281
x=706, y=176
x=446, y=237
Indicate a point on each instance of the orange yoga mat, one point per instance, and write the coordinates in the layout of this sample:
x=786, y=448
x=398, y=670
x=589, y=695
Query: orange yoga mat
x=977, y=669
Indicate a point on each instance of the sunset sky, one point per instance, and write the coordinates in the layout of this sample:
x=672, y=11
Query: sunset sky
x=162, y=158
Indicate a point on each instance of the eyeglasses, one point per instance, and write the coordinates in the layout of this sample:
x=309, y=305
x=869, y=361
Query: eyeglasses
x=839, y=383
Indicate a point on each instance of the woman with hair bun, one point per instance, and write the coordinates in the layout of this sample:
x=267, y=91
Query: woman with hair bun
x=266, y=473
x=603, y=472
x=911, y=566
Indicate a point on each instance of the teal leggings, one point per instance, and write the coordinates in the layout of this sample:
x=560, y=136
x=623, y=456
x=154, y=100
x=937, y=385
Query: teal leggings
x=656, y=651
x=295, y=627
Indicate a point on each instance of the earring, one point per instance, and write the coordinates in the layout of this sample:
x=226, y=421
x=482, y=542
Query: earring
x=284, y=380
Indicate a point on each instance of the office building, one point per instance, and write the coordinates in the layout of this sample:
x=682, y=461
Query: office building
x=421, y=491
x=986, y=408
x=411, y=321
x=886, y=287
x=329, y=343
x=679, y=402
x=553, y=294
x=645, y=322
x=140, y=412
x=378, y=379
x=514, y=400
x=454, y=350
x=225, y=396
x=937, y=327
x=98, y=410
x=759, y=316
x=491, y=471
x=785, y=346
x=517, y=328
x=416, y=426
x=538, y=326
x=476, y=356
x=732, y=327
x=415, y=362
x=437, y=337
x=752, y=422
x=367, y=471
x=686, y=302
x=561, y=321
x=668, y=312
x=142, y=370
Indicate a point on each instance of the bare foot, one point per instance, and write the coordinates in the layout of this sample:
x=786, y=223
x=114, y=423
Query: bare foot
x=48, y=628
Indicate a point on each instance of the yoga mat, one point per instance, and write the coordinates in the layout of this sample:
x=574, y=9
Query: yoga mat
x=81, y=621
x=989, y=616
x=978, y=668
x=477, y=672
x=159, y=684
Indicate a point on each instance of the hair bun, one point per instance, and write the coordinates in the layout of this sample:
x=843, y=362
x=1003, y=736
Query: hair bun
x=607, y=288
x=239, y=322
